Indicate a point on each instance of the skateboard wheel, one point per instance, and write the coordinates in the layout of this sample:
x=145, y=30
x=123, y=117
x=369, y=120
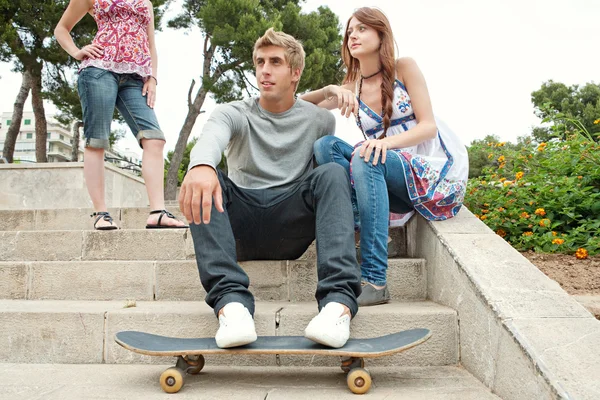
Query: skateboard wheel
x=171, y=380
x=359, y=380
x=195, y=364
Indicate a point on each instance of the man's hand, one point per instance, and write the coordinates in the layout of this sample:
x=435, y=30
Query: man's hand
x=199, y=187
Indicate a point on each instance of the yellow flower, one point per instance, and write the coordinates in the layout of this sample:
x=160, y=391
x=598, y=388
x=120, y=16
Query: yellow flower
x=558, y=241
x=596, y=122
x=501, y=144
x=581, y=253
x=502, y=179
x=502, y=165
x=483, y=182
x=540, y=211
x=545, y=222
x=485, y=211
x=501, y=209
x=507, y=183
x=519, y=175
x=554, y=233
x=542, y=146
x=486, y=204
x=524, y=215
x=580, y=177
x=528, y=233
x=501, y=159
x=483, y=217
x=490, y=156
x=501, y=232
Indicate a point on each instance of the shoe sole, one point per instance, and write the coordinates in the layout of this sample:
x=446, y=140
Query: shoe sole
x=323, y=340
x=239, y=342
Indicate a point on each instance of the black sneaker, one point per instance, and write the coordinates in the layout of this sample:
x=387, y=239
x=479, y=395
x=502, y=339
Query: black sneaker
x=371, y=296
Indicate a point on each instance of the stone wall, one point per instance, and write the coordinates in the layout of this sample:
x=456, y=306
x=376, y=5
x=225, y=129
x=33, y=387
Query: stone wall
x=520, y=333
x=61, y=185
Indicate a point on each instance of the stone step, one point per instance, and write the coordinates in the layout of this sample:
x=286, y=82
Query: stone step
x=122, y=244
x=73, y=219
x=178, y=280
x=82, y=332
x=140, y=382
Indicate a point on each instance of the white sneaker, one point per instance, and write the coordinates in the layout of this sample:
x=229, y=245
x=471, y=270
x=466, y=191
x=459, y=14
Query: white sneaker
x=236, y=326
x=330, y=327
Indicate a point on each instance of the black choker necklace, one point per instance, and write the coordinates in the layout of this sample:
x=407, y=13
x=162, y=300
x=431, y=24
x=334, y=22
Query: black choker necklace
x=370, y=76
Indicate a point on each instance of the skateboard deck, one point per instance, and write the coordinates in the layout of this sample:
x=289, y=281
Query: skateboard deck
x=189, y=352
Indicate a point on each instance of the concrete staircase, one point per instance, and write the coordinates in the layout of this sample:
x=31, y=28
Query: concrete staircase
x=66, y=290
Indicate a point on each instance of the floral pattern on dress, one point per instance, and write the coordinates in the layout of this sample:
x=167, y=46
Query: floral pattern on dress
x=436, y=183
x=122, y=32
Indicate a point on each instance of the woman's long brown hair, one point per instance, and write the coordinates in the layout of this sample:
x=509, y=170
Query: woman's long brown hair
x=377, y=20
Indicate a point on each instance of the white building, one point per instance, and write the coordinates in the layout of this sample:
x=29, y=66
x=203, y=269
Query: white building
x=59, y=144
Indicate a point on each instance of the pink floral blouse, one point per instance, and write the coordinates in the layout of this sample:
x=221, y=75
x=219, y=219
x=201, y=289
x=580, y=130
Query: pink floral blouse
x=122, y=32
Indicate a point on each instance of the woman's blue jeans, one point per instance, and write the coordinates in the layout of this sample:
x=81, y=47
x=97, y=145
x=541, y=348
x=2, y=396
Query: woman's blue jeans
x=377, y=190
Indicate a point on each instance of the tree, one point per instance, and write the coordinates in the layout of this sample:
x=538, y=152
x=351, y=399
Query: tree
x=13, y=129
x=574, y=102
x=27, y=40
x=230, y=29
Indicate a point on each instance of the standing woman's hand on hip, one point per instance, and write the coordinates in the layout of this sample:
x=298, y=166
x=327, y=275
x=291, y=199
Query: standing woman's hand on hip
x=92, y=51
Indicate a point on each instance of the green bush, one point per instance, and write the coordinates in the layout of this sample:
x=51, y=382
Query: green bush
x=542, y=196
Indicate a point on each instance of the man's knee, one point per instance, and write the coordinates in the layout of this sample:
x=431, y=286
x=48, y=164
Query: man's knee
x=331, y=178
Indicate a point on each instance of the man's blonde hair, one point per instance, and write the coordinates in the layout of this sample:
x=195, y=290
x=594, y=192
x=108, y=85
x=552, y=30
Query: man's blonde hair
x=293, y=50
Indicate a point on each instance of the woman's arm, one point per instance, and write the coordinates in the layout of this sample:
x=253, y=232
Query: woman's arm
x=333, y=96
x=149, y=89
x=72, y=15
x=408, y=72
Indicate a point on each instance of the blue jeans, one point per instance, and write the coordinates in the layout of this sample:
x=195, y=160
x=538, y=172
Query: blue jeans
x=100, y=91
x=377, y=190
x=272, y=224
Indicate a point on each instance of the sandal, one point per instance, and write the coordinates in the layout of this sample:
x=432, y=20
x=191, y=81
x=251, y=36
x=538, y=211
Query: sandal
x=105, y=216
x=162, y=214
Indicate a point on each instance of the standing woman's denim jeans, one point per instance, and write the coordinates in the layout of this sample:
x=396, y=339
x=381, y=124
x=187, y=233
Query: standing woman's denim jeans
x=377, y=190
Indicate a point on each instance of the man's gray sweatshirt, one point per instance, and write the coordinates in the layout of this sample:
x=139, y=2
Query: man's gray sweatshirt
x=263, y=149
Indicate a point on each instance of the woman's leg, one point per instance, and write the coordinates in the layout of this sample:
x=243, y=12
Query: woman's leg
x=98, y=93
x=143, y=123
x=377, y=186
x=333, y=149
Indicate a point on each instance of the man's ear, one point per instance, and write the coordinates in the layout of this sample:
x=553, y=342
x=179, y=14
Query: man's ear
x=296, y=75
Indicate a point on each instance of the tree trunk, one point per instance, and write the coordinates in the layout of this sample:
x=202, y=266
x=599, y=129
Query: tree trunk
x=184, y=134
x=17, y=116
x=41, y=128
x=75, y=153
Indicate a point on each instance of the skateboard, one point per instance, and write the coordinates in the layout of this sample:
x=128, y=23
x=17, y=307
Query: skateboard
x=190, y=359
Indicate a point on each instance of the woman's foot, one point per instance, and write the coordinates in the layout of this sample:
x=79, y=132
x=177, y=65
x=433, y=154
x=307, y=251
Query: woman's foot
x=372, y=295
x=103, y=221
x=162, y=219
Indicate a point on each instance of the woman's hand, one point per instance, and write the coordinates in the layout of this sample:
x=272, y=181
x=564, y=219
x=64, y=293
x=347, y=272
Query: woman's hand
x=376, y=147
x=346, y=99
x=90, y=51
x=149, y=90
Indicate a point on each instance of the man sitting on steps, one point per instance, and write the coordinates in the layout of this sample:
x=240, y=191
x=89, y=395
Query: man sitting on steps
x=273, y=202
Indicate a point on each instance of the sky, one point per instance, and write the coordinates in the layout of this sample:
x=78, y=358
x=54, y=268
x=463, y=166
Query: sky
x=481, y=60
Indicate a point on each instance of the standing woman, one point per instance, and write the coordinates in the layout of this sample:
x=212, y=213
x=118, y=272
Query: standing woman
x=118, y=70
x=408, y=159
